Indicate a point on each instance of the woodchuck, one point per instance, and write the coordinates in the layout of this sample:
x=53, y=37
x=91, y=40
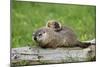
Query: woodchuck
x=48, y=38
x=54, y=24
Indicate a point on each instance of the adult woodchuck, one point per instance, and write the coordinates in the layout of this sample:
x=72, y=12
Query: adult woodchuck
x=48, y=38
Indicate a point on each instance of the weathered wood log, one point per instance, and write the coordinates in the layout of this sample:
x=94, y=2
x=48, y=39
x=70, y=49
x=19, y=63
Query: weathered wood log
x=30, y=56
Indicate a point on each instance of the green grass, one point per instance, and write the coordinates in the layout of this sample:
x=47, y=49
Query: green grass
x=29, y=16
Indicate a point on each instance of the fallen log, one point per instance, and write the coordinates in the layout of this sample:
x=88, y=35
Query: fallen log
x=36, y=55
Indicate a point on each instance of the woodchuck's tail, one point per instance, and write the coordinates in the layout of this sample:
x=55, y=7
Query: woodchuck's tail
x=85, y=44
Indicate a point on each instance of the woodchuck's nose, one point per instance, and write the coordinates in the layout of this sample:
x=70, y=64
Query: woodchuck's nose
x=35, y=38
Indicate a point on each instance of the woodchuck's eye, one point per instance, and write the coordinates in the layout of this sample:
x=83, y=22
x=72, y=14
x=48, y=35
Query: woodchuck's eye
x=40, y=34
x=43, y=31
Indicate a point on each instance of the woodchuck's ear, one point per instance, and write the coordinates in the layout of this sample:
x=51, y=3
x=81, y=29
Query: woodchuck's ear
x=48, y=24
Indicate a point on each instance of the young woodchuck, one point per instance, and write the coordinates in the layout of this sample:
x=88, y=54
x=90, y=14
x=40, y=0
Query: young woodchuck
x=48, y=38
x=54, y=24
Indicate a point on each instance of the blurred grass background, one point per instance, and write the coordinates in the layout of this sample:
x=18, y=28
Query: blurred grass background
x=29, y=16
